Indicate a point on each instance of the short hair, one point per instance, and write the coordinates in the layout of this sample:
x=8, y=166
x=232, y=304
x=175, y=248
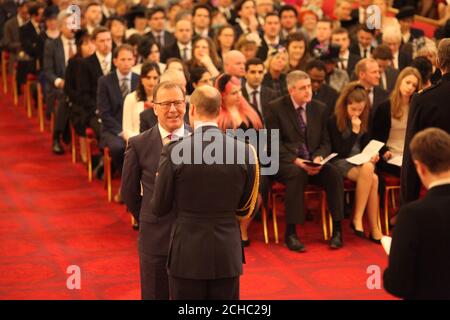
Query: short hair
x=287, y=7
x=166, y=85
x=33, y=10
x=62, y=16
x=197, y=73
x=425, y=68
x=253, y=62
x=382, y=52
x=145, y=47
x=443, y=54
x=201, y=6
x=240, y=3
x=155, y=10
x=432, y=147
x=361, y=66
x=316, y=64
x=340, y=30
x=271, y=14
x=111, y=19
x=392, y=32
x=207, y=101
x=171, y=74
x=92, y=4
x=294, y=76
x=122, y=47
x=365, y=28
x=98, y=30
x=326, y=20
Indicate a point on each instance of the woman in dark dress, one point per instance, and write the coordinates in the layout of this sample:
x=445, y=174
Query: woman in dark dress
x=237, y=113
x=348, y=134
x=277, y=66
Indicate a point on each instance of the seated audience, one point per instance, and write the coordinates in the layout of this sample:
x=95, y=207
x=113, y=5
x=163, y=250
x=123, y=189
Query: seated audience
x=296, y=45
x=277, y=66
x=204, y=54
x=388, y=75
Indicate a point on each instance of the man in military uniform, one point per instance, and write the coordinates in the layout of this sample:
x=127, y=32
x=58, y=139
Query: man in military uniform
x=429, y=108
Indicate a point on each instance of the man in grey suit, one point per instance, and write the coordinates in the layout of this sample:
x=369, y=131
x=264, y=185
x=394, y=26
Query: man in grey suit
x=138, y=184
x=57, y=53
x=205, y=253
x=11, y=35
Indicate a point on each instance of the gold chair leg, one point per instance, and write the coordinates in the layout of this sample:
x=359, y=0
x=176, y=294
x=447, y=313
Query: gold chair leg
x=324, y=216
x=73, y=141
x=274, y=213
x=264, y=220
x=14, y=89
x=28, y=99
x=386, y=211
x=4, y=74
x=40, y=107
x=107, y=164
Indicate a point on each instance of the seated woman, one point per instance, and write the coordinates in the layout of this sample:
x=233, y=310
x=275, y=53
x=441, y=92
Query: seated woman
x=348, y=134
x=139, y=100
x=79, y=118
x=248, y=44
x=224, y=40
x=200, y=77
x=297, y=51
x=390, y=118
x=149, y=50
x=204, y=54
x=236, y=113
x=277, y=65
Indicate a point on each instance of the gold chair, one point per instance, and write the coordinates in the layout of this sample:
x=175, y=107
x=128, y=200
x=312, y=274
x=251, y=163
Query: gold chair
x=108, y=172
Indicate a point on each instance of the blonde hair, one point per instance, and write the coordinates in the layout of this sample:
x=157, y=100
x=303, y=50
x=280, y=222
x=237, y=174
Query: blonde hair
x=396, y=96
x=274, y=55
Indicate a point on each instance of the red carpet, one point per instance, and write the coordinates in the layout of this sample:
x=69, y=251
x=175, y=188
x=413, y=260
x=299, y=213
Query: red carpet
x=51, y=217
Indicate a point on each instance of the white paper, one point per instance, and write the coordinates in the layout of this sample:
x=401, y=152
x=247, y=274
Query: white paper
x=372, y=149
x=396, y=161
x=386, y=243
x=331, y=156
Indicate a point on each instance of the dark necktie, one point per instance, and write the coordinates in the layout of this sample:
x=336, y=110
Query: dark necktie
x=159, y=40
x=365, y=53
x=303, y=151
x=255, y=100
x=185, y=49
x=124, y=87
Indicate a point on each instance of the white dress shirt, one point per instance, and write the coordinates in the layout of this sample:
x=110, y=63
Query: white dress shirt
x=188, y=51
x=66, y=43
x=178, y=133
x=344, y=59
x=395, y=60
x=250, y=91
x=105, y=62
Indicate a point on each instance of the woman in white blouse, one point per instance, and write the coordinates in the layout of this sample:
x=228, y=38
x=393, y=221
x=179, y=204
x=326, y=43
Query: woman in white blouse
x=138, y=100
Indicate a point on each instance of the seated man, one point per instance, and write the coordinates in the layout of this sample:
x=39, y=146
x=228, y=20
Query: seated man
x=419, y=258
x=302, y=123
x=111, y=92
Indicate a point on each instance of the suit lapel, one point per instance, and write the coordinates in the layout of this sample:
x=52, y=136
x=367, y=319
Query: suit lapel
x=291, y=113
x=117, y=86
x=61, y=59
x=311, y=122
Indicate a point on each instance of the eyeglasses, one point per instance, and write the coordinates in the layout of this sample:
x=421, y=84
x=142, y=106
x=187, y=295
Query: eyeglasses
x=167, y=104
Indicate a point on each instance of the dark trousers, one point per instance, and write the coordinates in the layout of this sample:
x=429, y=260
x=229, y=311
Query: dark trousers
x=217, y=289
x=296, y=179
x=154, y=279
x=56, y=101
x=116, y=147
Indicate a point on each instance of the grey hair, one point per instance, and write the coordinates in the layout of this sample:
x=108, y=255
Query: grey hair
x=392, y=32
x=62, y=16
x=295, y=76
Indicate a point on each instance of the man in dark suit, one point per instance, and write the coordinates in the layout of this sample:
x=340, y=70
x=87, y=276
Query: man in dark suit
x=388, y=75
x=139, y=168
x=57, y=53
x=322, y=92
x=166, y=40
x=392, y=37
x=362, y=45
x=257, y=95
x=111, y=92
x=201, y=21
x=182, y=48
x=405, y=17
x=270, y=38
x=304, y=137
x=92, y=68
x=419, y=258
x=429, y=108
x=205, y=251
x=368, y=73
x=348, y=60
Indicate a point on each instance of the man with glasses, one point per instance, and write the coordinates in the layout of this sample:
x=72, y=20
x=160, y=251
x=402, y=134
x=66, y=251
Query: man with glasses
x=302, y=122
x=138, y=182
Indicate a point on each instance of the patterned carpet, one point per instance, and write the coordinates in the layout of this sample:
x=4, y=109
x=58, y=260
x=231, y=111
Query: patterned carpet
x=51, y=217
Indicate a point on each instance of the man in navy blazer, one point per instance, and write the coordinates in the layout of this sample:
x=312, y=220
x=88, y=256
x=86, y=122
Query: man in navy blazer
x=139, y=169
x=111, y=92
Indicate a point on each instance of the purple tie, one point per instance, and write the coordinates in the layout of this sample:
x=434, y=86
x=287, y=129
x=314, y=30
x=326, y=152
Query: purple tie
x=303, y=151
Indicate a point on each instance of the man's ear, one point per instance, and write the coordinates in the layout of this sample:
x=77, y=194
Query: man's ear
x=420, y=168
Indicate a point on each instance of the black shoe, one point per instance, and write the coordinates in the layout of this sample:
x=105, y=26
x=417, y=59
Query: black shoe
x=374, y=240
x=294, y=244
x=57, y=148
x=246, y=243
x=99, y=169
x=136, y=226
x=357, y=232
x=336, y=240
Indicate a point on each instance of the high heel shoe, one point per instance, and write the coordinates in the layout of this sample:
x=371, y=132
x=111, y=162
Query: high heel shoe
x=377, y=241
x=358, y=233
x=245, y=243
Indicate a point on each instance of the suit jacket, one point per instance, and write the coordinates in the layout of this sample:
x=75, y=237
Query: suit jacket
x=354, y=48
x=379, y=96
x=11, y=35
x=429, y=108
x=32, y=42
x=264, y=48
x=419, y=258
x=54, y=62
x=110, y=101
x=328, y=96
x=140, y=166
x=205, y=242
x=391, y=79
x=353, y=59
x=267, y=95
x=173, y=51
x=404, y=60
x=148, y=118
x=381, y=126
x=282, y=116
x=90, y=72
x=169, y=40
